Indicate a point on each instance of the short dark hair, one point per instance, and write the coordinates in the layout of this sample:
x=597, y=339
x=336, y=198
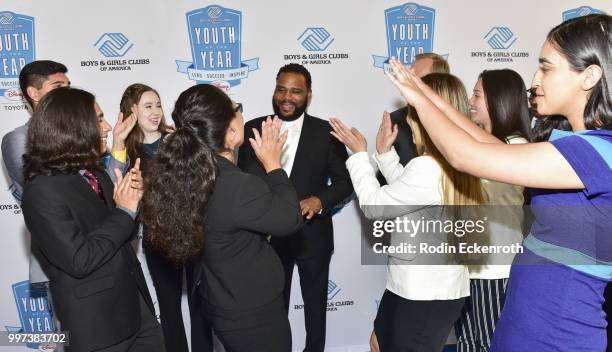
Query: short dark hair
x=585, y=41
x=299, y=69
x=35, y=73
x=507, y=103
x=63, y=134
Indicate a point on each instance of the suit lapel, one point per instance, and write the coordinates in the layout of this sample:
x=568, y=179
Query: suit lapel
x=107, y=188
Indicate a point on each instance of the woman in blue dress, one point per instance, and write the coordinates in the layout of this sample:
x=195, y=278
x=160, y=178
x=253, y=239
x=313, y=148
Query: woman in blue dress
x=555, y=291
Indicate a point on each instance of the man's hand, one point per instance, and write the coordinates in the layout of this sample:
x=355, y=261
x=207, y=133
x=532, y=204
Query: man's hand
x=310, y=206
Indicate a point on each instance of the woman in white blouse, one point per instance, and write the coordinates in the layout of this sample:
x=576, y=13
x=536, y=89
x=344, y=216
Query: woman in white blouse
x=421, y=301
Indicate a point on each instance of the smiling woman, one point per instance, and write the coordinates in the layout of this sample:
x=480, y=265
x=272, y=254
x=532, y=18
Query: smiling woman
x=143, y=142
x=552, y=301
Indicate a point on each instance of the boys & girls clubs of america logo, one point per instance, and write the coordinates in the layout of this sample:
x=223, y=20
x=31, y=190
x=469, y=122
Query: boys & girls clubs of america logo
x=16, y=50
x=333, y=303
x=317, y=41
x=114, y=48
x=215, y=37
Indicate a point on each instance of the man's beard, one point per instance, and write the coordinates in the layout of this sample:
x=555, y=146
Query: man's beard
x=298, y=110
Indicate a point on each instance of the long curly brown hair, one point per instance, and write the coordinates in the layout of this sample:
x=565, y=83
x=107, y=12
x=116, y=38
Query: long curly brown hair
x=177, y=194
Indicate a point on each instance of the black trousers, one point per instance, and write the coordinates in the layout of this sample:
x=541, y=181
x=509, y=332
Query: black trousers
x=272, y=333
x=314, y=277
x=404, y=325
x=149, y=337
x=168, y=281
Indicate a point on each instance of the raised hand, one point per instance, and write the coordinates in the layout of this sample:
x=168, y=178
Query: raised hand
x=406, y=81
x=269, y=144
x=351, y=138
x=387, y=134
x=129, y=188
x=123, y=127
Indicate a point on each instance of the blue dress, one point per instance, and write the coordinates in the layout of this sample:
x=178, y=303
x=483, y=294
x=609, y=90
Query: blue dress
x=555, y=291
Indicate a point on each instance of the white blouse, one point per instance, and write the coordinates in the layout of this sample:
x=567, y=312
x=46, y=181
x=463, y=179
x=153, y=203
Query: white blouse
x=418, y=183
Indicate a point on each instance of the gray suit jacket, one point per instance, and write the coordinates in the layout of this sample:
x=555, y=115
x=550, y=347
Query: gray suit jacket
x=13, y=148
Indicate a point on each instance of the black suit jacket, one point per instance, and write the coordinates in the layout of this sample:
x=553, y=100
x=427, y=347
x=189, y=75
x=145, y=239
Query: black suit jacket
x=240, y=271
x=404, y=145
x=83, y=246
x=319, y=157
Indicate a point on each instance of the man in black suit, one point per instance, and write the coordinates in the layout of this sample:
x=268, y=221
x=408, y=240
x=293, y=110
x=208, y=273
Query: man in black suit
x=311, y=157
x=423, y=64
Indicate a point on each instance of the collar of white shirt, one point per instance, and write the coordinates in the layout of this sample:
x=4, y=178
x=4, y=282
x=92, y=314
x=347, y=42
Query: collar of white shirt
x=293, y=126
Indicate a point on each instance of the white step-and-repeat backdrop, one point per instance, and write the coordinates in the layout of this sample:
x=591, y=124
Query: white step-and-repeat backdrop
x=240, y=45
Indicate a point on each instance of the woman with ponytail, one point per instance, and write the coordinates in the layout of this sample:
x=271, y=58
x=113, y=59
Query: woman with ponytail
x=213, y=212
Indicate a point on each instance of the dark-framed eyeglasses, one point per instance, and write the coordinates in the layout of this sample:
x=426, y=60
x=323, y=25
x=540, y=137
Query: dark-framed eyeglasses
x=238, y=107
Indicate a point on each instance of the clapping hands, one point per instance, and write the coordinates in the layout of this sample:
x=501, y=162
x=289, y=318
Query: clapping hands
x=129, y=188
x=351, y=138
x=387, y=134
x=269, y=144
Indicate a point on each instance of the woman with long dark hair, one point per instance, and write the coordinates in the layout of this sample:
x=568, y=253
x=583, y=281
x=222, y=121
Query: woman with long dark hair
x=143, y=102
x=556, y=286
x=81, y=227
x=499, y=106
x=213, y=212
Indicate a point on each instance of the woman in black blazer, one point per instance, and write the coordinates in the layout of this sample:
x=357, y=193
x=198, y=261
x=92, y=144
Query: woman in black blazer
x=81, y=227
x=200, y=204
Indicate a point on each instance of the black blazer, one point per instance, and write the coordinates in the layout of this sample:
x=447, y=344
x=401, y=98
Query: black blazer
x=240, y=272
x=404, y=146
x=83, y=247
x=319, y=157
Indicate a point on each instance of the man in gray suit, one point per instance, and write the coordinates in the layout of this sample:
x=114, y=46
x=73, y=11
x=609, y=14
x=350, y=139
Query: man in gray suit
x=35, y=80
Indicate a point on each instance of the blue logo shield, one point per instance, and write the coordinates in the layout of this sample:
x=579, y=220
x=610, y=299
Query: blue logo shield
x=410, y=31
x=579, y=11
x=16, y=47
x=33, y=307
x=215, y=36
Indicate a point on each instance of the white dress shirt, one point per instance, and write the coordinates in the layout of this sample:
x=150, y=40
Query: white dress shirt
x=293, y=138
x=418, y=183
